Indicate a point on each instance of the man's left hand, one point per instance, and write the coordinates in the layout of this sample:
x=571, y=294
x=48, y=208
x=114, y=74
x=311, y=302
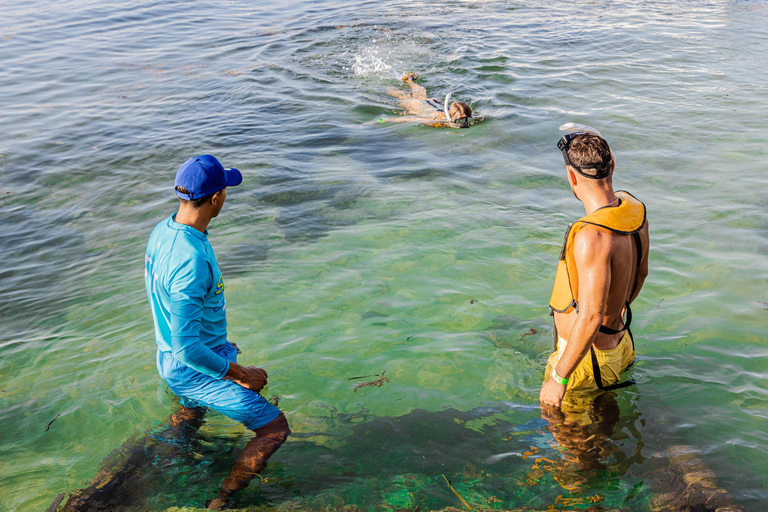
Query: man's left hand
x=552, y=393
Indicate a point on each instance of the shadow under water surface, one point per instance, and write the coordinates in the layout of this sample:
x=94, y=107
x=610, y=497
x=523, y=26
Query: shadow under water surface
x=424, y=460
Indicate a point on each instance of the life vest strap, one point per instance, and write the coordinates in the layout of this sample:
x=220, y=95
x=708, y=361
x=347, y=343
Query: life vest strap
x=599, y=377
x=607, y=330
x=639, y=249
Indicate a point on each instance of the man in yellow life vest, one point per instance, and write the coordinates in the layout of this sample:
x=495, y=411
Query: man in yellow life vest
x=602, y=267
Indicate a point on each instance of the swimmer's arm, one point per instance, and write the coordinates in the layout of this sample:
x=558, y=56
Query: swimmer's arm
x=397, y=93
x=405, y=119
x=592, y=253
x=418, y=92
x=440, y=122
x=430, y=121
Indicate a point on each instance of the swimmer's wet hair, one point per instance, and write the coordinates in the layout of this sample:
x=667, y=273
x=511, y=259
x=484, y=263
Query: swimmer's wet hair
x=589, y=151
x=460, y=108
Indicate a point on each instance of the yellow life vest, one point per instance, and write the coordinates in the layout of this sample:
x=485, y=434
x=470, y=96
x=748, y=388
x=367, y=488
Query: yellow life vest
x=626, y=218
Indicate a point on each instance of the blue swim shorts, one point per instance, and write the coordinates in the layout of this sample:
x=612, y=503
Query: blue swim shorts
x=199, y=390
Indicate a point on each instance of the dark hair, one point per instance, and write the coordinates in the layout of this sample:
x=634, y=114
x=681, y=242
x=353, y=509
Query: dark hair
x=590, y=152
x=195, y=203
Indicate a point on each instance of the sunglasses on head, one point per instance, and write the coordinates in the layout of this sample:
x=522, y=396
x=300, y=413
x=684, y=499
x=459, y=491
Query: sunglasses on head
x=602, y=170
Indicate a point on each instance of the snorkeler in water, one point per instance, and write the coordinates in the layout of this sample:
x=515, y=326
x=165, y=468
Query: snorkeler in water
x=430, y=111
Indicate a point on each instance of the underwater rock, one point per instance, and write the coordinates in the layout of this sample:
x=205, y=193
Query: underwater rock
x=125, y=476
x=688, y=485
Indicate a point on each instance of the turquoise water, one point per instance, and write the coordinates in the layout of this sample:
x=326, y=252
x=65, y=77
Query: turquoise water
x=354, y=249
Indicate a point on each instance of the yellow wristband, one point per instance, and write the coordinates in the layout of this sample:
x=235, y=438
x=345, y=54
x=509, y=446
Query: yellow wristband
x=558, y=379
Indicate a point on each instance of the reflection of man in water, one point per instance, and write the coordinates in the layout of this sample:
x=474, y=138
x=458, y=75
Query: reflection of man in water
x=599, y=443
x=186, y=294
x=603, y=264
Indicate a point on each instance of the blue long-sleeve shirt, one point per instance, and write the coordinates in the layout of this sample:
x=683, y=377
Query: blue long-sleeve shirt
x=186, y=294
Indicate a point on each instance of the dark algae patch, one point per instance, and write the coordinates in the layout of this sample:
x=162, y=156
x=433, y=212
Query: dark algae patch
x=417, y=462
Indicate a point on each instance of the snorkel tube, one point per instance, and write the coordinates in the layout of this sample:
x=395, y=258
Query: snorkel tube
x=445, y=107
x=462, y=122
x=576, y=127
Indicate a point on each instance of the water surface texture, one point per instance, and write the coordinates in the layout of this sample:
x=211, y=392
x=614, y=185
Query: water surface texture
x=354, y=249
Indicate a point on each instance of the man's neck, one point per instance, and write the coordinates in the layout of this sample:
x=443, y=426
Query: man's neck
x=599, y=198
x=197, y=218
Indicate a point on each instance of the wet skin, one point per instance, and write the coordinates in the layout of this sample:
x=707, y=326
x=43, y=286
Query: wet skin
x=605, y=263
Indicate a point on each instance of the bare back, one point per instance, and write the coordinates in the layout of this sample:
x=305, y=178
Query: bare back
x=623, y=275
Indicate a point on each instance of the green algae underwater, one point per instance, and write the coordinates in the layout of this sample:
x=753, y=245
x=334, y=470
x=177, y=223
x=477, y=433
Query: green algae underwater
x=375, y=465
x=353, y=251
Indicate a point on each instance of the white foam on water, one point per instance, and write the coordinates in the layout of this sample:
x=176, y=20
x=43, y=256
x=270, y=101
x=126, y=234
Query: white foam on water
x=372, y=61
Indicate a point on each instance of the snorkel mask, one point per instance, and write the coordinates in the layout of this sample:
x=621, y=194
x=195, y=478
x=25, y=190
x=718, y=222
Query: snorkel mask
x=602, y=170
x=464, y=122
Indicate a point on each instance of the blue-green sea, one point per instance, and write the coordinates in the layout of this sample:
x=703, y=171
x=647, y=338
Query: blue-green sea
x=356, y=251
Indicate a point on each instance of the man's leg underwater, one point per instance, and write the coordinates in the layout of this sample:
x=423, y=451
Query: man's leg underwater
x=253, y=459
x=187, y=421
x=238, y=403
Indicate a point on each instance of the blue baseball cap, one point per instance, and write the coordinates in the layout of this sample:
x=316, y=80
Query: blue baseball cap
x=203, y=175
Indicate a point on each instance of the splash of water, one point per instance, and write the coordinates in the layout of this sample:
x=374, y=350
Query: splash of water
x=372, y=61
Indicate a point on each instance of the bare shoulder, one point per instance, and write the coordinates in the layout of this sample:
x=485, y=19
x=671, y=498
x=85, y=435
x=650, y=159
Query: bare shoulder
x=592, y=244
x=591, y=235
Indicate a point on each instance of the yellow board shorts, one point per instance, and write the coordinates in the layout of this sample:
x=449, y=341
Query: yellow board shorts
x=612, y=363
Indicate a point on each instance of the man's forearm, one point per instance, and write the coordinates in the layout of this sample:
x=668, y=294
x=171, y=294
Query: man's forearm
x=582, y=336
x=195, y=354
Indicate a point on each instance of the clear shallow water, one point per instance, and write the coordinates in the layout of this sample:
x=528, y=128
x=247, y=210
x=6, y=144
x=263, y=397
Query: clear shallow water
x=353, y=249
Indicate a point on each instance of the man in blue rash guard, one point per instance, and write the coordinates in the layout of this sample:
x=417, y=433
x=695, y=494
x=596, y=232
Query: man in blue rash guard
x=186, y=294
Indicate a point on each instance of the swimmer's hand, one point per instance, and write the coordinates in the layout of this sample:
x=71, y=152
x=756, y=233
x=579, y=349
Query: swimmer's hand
x=552, y=393
x=410, y=77
x=249, y=377
x=378, y=121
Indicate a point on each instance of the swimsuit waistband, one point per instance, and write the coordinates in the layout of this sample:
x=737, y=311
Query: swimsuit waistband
x=562, y=342
x=432, y=102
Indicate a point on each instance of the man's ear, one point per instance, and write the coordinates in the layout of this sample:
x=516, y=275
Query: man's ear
x=216, y=198
x=571, y=176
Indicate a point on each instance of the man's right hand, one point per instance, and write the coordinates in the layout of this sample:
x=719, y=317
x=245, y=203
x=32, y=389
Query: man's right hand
x=249, y=377
x=551, y=394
